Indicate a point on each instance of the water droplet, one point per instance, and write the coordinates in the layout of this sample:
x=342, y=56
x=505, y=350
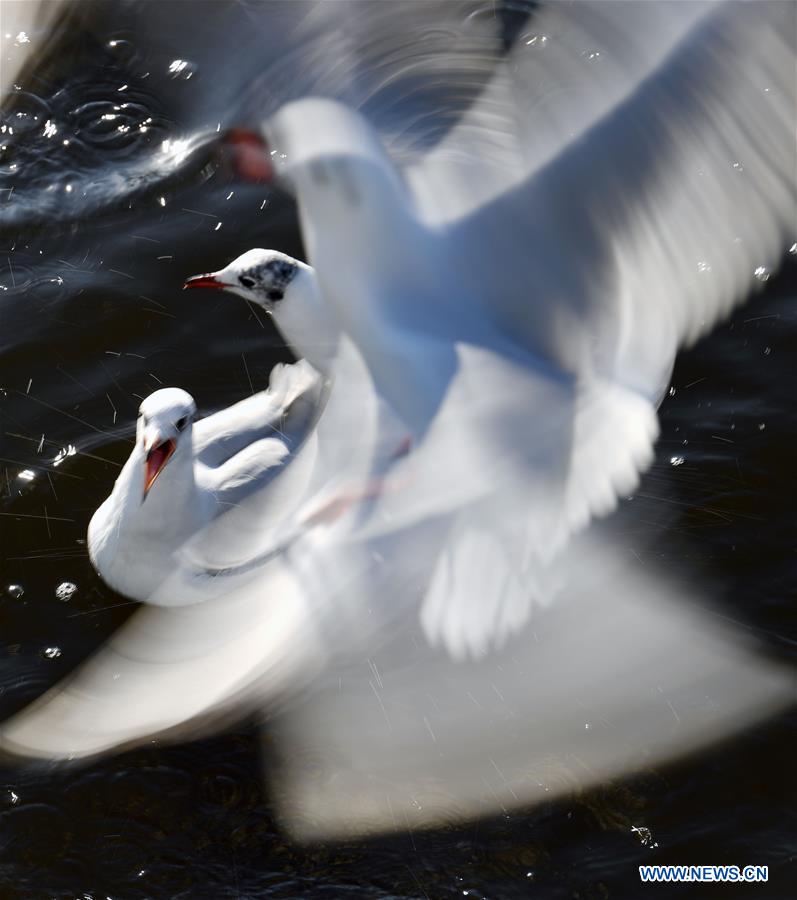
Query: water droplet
x=644, y=835
x=13, y=797
x=586, y=726
x=182, y=68
x=15, y=591
x=761, y=426
x=51, y=652
x=738, y=167
x=793, y=249
x=767, y=351
x=676, y=460
x=703, y=266
x=26, y=475
x=591, y=55
x=535, y=40
x=64, y=452
x=762, y=273
x=671, y=392
x=65, y=591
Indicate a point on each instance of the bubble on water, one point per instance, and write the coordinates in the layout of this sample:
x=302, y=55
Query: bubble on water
x=122, y=50
x=28, y=112
x=676, y=461
x=15, y=591
x=51, y=652
x=762, y=273
x=65, y=591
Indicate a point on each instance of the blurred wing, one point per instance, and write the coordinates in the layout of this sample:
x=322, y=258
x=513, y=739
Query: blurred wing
x=172, y=672
x=621, y=675
x=572, y=64
x=411, y=68
x=26, y=32
x=220, y=436
x=501, y=556
x=658, y=217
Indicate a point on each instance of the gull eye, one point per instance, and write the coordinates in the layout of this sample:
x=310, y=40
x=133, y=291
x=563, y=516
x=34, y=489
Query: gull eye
x=181, y=423
x=247, y=281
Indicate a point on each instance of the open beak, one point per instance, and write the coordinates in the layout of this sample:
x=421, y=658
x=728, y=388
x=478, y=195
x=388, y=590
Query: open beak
x=154, y=462
x=205, y=281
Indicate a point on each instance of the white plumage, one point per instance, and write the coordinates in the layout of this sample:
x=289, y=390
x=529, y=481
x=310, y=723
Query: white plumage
x=508, y=282
x=204, y=469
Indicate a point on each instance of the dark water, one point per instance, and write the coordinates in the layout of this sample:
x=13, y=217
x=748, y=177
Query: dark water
x=92, y=319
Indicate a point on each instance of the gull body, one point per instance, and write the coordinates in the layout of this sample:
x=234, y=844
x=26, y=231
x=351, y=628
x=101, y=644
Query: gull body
x=184, y=473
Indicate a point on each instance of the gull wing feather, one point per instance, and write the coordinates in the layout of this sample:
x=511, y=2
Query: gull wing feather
x=174, y=670
x=658, y=216
x=572, y=64
x=219, y=437
x=623, y=674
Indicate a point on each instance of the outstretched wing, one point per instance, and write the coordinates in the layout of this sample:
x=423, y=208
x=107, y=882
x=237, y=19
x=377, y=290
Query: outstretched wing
x=660, y=210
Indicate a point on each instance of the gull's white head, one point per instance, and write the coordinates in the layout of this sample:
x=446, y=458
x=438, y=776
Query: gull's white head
x=164, y=422
x=287, y=290
x=265, y=277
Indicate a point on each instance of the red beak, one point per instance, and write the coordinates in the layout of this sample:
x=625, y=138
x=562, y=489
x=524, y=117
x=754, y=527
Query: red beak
x=248, y=155
x=155, y=460
x=204, y=281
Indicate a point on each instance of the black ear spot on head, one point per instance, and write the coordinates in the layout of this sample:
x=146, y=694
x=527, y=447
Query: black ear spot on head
x=275, y=295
